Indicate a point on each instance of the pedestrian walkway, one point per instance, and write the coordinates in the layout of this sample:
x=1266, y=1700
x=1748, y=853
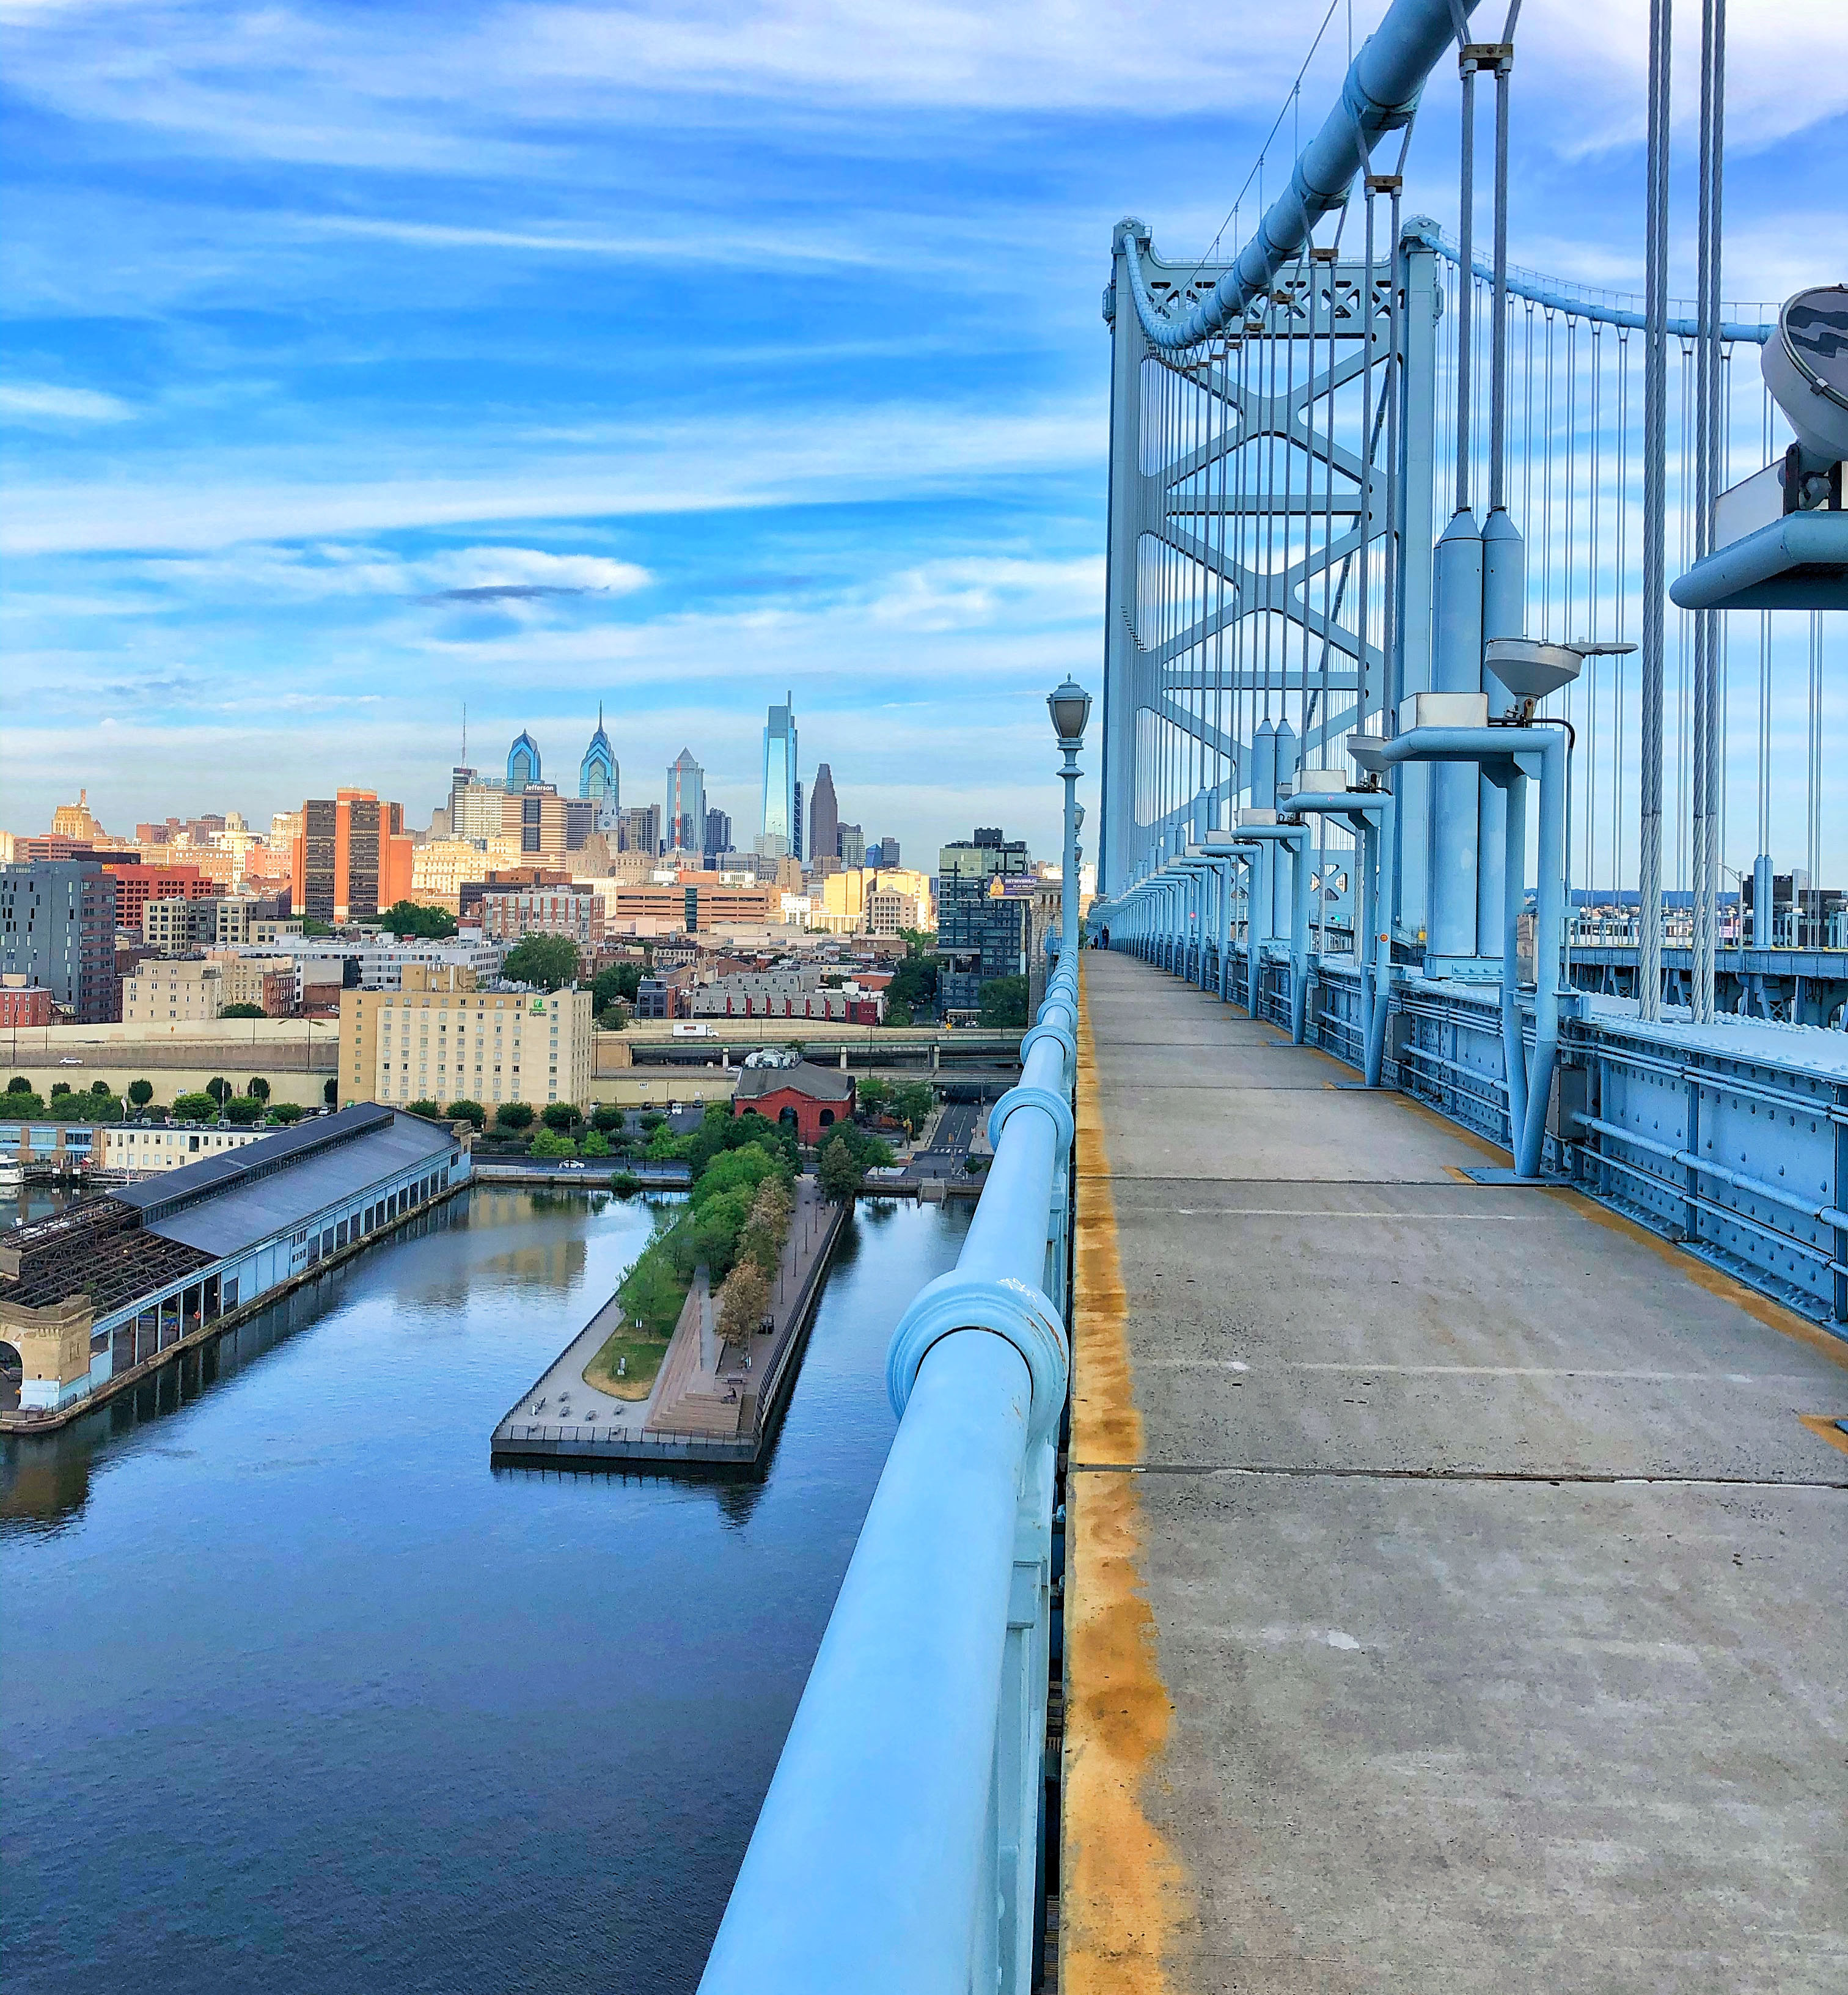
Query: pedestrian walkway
x=1457, y=1572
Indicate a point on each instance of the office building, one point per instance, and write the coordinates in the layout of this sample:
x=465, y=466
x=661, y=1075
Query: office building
x=57, y=929
x=851, y=843
x=440, y=1038
x=522, y=762
x=795, y=849
x=639, y=830
x=884, y=854
x=781, y=816
x=135, y=886
x=477, y=811
x=686, y=815
x=439, y=867
x=980, y=931
x=77, y=821
x=510, y=913
x=719, y=833
x=823, y=817
x=600, y=779
x=352, y=857
x=534, y=823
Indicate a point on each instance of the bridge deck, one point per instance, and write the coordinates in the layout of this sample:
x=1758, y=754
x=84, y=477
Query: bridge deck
x=1457, y=1593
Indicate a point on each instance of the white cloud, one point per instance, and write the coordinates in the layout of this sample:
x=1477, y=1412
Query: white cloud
x=40, y=402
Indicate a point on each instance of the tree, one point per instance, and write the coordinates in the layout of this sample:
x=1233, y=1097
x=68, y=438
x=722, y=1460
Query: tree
x=594, y=1143
x=257, y=1088
x=839, y=1170
x=330, y=1092
x=219, y=1089
x=515, y=1115
x=912, y=1101
x=547, y=961
x=872, y=1093
x=142, y=1092
x=412, y=918
x=615, y=982
x=241, y=1012
x=913, y=985
x=101, y=1087
x=20, y=1085
x=312, y=926
x=242, y=1111
x=22, y=1107
x=562, y=1115
x=613, y=1018
x=550, y=1143
x=742, y=1303
x=607, y=1116
x=424, y=1106
x=1004, y=1003
x=287, y=1112
x=195, y=1107
x=468, y=1111
x=60, y=1087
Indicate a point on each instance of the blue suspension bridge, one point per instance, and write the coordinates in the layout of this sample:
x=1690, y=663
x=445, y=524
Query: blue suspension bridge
x=1368, y=1506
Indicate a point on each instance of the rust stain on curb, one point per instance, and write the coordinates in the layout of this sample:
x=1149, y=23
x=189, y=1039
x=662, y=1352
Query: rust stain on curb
x=1127, y=1915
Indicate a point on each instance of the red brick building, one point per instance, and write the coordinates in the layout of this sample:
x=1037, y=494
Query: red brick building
x=813, y=1098
x=23, y=1003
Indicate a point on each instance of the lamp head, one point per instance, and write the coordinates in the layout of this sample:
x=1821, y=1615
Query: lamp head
x=1070, y=706
x=1805, y=363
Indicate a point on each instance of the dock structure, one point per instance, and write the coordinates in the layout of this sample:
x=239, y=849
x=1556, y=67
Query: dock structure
x=95, y=1297
x=1456, y=1570
x=704, y=1407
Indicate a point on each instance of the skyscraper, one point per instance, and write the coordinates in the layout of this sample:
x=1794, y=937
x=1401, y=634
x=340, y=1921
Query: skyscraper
x=686, y=803
x=523, y=761
x=718, y=832
x=851, y=842
x=352, y=858
x=599, y=779
x=781, y=813
x=824, y=816
x=57, y=929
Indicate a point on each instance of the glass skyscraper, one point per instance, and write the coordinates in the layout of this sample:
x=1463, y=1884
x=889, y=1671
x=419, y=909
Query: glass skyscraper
x=779, y=808
x=599, y=779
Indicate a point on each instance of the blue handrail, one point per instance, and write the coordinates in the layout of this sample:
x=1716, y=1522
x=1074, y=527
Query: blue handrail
x=899, y=1846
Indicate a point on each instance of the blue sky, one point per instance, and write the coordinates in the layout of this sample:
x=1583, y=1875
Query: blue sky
x=361, y=360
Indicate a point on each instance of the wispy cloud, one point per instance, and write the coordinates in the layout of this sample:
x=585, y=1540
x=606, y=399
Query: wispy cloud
x=40, y=402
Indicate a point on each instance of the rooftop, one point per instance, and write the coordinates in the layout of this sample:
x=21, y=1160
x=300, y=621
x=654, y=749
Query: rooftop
x=819, y=1084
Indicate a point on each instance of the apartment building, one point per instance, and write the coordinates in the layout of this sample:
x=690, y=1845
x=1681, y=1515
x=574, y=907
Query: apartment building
x=187, y=991
x=509, y=914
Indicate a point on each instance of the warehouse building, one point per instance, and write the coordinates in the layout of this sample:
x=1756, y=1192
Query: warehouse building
x=92, y=1293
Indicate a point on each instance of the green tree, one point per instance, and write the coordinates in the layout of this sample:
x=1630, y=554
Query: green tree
x=607, y=1116
x=424, y=1106
x=242, y=1111
x=26, y=1107
x=330, y=1092
x=312, y=927
x=546, y=961
x=613, y=1018
x=1004, y=1002
x=241, y=1012
x=141, y=1093
x=195, y=1107
x=913, y=985
x=515, y=1115
x=101, y=1087
x=257, y=1088
x=287, y=1112
x=616, y=983
x=838, y=1170
x=912, y=1101
x=60, y=1087
x=743, y=1302
x=550, y=1143
x=562, y=1115
x=411, y=918
x=594, y=1143
x=20, y=1085
x=468, y=1111
x=219, y=1089
x=652, y=1119
x=872, y=1093
x=747, y=1167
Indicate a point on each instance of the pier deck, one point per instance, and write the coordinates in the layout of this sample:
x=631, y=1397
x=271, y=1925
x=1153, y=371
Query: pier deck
x=1457, y=1573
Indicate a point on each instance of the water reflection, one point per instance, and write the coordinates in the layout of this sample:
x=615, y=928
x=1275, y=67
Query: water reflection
x=314, y=1686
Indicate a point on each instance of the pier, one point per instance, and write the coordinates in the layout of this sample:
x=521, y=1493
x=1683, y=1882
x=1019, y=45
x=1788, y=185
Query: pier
x=705, y=1406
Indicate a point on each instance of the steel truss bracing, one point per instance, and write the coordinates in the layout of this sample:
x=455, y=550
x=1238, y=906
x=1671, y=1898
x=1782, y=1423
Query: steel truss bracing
x=1243, y=491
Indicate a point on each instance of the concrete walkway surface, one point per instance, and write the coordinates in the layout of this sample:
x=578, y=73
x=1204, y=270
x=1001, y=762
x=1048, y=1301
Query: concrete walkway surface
x=1459, y=1574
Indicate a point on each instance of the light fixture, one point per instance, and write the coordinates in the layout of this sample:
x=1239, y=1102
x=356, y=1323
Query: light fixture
x=1070, y=706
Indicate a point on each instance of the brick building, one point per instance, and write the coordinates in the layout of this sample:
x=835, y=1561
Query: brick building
x=810, y=1098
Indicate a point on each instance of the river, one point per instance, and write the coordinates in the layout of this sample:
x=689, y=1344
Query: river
x=302, y=1693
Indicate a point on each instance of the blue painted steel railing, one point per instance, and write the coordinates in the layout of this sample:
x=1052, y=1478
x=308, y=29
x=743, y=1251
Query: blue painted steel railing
x=900, y=1846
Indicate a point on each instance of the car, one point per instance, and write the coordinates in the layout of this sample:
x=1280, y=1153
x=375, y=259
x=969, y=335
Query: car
x=70, y=1060
x=571, y=1164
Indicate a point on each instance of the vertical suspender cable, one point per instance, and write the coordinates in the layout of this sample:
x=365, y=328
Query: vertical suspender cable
x=1465, y=284
x=1655, y=410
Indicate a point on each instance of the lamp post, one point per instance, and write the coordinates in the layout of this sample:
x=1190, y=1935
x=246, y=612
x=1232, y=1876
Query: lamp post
x=1070, y=706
